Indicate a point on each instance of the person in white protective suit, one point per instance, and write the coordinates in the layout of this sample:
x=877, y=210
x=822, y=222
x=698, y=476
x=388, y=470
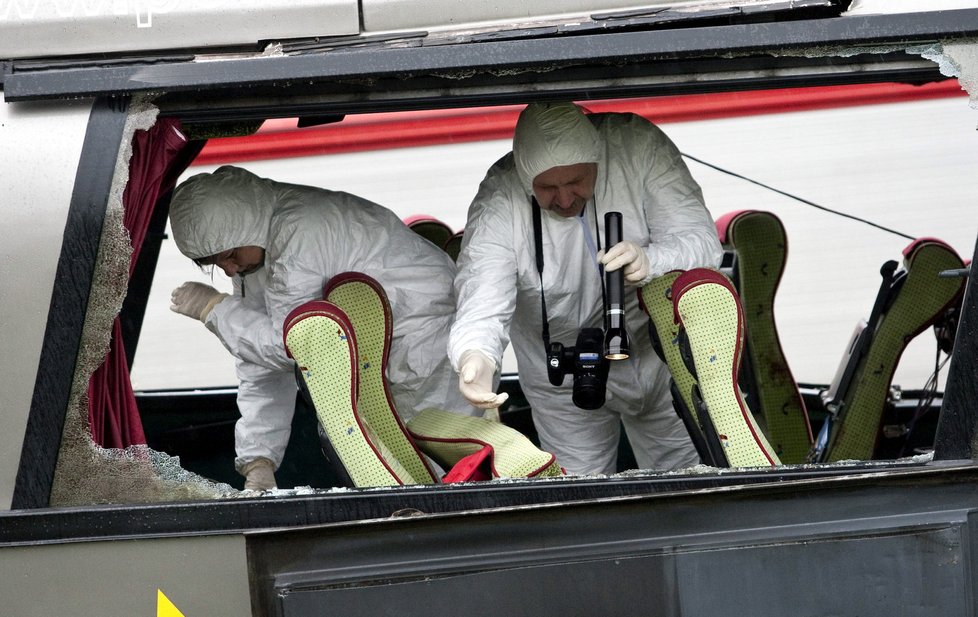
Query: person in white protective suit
x=281, y=243
x=578, y=167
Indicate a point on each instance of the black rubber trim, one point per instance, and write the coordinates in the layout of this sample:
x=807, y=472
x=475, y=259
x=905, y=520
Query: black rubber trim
x=69, y=301
x=958, y=421
x=235, y=516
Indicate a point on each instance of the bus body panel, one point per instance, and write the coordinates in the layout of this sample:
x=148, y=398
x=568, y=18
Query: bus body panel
x=200, y=575
x=40, y=147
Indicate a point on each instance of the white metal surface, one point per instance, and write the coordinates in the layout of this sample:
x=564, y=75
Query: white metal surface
x=204, y=576
x=46, y=28
x=909, y=166
x=434, y=15
x=35, y=192
x=873, y=7
x=43, y=28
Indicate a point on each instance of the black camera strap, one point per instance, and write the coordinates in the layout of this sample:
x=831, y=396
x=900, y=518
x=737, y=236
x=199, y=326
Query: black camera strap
x=538, y=244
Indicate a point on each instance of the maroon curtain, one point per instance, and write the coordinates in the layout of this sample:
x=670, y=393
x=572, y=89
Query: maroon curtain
x=153, y=170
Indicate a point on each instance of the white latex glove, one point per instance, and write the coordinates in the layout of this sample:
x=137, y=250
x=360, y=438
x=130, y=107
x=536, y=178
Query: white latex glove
x=629, y=255
x=475, y=373
x=195, y=300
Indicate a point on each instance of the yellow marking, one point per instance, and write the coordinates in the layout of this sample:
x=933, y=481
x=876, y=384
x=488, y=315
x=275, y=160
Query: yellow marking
x=165, y=608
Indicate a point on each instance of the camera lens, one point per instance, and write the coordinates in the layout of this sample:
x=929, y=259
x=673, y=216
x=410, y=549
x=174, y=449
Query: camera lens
x=589, y=391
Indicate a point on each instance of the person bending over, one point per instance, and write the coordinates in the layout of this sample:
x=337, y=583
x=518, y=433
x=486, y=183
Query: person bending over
x=280, y=243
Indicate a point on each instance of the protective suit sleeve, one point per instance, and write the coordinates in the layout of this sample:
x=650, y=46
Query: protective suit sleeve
x=248, y=333
x=294, y=275
x=485, y=286
x=683, y=234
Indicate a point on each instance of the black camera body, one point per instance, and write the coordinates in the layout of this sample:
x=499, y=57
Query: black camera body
x=586, y=362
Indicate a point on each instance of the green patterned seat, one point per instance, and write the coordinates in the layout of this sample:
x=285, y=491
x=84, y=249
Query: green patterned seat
x=448, y=438
x=909, y=302
x=759, y=243
x=320, y=338
x=711, y=321
x=341, y=346
x=655, y=298
x=366, y=306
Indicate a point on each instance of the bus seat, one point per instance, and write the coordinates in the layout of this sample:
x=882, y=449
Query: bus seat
x=453, y=246
x=655, y=298
x=430, y=228
x=341, y=347
x=319, y=337
x=711, y=341
x=697, y=325
x=364, y=301
x=500, y=451
x=909, y=301
x=757, y=249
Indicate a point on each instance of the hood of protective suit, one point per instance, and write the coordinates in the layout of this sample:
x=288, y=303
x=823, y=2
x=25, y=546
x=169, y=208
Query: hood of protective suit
x=552, y=135
x=215, y=212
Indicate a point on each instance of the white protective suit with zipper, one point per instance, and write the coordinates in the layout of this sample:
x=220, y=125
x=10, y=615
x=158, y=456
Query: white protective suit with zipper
x=639, y=173
x=310, y=235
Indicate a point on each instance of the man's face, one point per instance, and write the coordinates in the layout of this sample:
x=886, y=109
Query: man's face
x=241, y=260
x=565, y=190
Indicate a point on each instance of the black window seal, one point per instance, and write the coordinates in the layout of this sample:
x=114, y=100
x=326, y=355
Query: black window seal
x=69, y=302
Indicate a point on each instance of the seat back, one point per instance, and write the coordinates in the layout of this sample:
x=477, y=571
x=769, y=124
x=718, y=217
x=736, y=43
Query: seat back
x=697, y=325
x=319, y=336
x=655, y=298
x=430, y=228
x=758, y=246
x=364, y=301
x=711, y=320
x=341, y=347
x=909, y=301
x=453, y=246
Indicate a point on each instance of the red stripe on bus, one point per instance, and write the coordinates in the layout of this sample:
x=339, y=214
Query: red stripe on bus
x=382, y=131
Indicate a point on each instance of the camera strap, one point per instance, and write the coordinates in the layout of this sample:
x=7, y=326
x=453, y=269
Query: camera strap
x=538, y=245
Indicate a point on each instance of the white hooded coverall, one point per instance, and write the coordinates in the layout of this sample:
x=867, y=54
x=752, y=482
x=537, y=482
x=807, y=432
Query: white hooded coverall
x=310, y=235
x=639, y=173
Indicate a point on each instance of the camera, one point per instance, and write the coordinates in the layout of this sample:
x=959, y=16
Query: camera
x=586, y=362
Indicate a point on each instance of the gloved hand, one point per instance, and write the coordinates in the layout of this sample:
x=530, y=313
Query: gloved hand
x=629, y=255
x=195, y=299
x=475, y=373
